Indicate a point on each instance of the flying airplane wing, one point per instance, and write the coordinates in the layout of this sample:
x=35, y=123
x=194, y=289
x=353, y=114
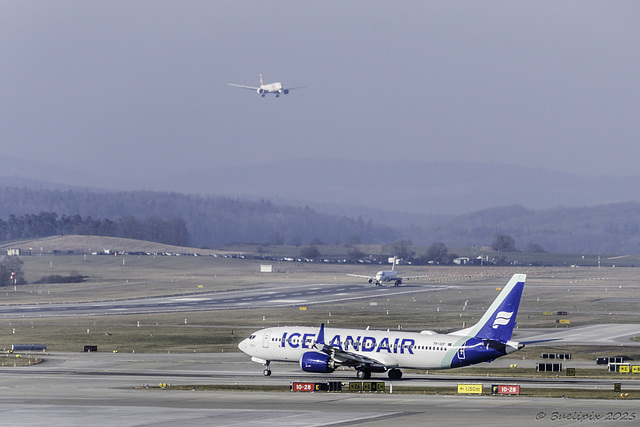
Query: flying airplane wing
x=243, y=86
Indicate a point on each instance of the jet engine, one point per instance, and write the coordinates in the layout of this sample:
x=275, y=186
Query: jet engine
x=285, y=91
x=260, y=91
x=313, y=361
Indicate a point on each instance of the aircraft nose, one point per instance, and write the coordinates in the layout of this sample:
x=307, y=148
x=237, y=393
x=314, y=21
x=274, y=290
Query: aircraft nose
x=242, y=345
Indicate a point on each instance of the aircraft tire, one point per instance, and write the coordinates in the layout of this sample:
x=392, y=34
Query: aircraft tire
x=363, y=375
x=266, y=372
x=395, y=374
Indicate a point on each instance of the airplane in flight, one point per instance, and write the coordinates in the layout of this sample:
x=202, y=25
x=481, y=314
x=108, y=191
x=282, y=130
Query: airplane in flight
x=324, y=350
x=276, y=88
x=387, y=276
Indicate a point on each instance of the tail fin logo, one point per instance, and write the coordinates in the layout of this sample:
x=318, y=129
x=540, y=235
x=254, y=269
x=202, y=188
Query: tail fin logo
x=502, y=318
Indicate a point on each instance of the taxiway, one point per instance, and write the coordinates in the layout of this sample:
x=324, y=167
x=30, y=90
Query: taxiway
x=74, y=389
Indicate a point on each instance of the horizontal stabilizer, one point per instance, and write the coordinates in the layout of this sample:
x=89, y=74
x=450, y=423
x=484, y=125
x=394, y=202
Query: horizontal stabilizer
x=537, y=341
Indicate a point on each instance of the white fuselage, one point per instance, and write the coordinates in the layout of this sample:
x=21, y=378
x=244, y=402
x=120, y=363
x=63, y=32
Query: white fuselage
x=386, y=276
x=275, y=88
x=405, y=349
x=272, y=87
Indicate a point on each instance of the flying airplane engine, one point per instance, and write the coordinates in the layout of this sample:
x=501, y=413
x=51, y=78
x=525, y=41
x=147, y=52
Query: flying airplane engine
x=285, y=91
x=260, y=91
x=313, y=361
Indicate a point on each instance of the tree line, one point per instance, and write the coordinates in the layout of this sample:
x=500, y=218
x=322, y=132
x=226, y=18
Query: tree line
x=215, y=220
x=210, y=220
x=154, y=229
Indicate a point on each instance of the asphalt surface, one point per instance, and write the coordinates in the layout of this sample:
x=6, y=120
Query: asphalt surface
x=73, y=389
x=278, y=296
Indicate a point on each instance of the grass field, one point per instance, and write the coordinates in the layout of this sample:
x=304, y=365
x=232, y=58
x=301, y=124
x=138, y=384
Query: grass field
x=589, y=295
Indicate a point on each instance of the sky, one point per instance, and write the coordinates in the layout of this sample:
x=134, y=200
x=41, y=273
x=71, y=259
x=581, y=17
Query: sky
x=139, y=88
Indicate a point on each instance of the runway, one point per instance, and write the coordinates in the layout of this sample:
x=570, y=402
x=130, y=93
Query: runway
x=602, y=335
x=271, y=297
x=74, y=389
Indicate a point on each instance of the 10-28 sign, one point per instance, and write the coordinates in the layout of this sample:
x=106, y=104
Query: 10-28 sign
x=505, y=389
x=303, y=387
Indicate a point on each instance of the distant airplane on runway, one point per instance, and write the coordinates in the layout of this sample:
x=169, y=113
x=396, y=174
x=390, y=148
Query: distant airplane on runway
x=275, y=88
x=387, y=276
x=324, y=350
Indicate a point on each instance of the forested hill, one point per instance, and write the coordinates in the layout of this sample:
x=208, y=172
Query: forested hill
x=610, y=229
x=209, y=220
x=202, y=221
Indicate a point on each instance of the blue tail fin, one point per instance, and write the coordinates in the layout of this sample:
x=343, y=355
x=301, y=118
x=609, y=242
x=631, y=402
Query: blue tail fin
x=498, y=321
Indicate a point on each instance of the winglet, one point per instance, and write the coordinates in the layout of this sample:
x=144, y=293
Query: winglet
x=320, y=339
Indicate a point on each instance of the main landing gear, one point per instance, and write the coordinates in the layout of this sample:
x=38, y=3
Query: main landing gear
x=363, y=375
x=267, y=369
x=395, y=374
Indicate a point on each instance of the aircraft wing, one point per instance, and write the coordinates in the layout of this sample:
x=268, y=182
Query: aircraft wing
x=361, y=276
x=243, y=86
x=346, y=358
x=294, y=88
x=412, y=277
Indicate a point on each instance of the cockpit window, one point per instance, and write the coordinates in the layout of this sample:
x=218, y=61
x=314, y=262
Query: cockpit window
x=252, y=337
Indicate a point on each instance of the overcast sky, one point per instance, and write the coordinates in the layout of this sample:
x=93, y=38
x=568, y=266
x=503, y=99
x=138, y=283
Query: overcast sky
x=141, y=86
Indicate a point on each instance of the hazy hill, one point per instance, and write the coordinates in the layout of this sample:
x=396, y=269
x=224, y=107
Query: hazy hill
x=611, y=228
x=384, y=191
x=209, y=220
x=417, y=187
x=460, y=204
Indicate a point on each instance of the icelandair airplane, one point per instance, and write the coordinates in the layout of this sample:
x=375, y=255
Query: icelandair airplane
x=386, y=276
x=324, y=350
x=277, y=88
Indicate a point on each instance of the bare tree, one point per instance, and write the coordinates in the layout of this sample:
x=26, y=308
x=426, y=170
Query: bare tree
x=503, y=243
x=310, y=251
x=401, y=249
